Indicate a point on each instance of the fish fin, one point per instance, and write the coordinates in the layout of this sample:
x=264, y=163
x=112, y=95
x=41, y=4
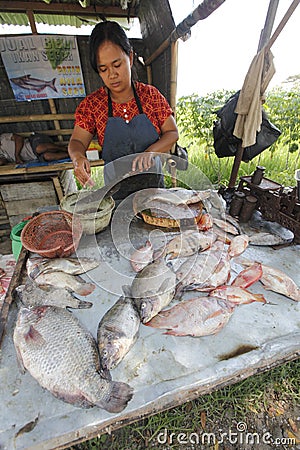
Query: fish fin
x=117, y=398
x=36, y=272
x=20, y=360
x=214, y=314
x=259, y=298
x=52, y=84
x=172, y=332
x=84, y=305
x=159, y=253
x=85, y=289
x=34, y=336
x=105, y=373
x=127, y=290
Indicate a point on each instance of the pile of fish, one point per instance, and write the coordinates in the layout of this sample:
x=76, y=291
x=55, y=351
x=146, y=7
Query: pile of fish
x=53, y=345
x=195, y=262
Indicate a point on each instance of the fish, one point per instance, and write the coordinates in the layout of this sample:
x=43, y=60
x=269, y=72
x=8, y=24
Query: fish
x=220, y=276
x=232, y=220
x=168, y=200
x=35, y=84
x=73, y=283
x=238, y=245
x=189, y=242
x=72, y=266
x=225, y=226
x=153, y=289
x=260, y=238
x=178, y=196
x=276, y=280
x=205, y=222
x=31, y=294
x=141, y=257
x=203, y=271
x=248, y=276
x=222, y=235
x=237, y=295
x=199, y=316
x=62, y=356
x=117, y=332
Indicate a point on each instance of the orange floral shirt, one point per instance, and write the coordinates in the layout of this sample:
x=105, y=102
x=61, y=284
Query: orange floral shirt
x=92, y=113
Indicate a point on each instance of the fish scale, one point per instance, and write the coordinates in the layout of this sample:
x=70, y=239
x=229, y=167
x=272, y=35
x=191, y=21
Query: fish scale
x=63, y=357
x=117, y=332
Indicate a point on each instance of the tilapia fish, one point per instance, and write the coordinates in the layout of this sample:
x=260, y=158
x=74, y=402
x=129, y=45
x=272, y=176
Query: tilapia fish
x=226, y=226
x=189, y=242
x=237, y=295
x=276, y=280
x=117, y=332
x=72, y=266
x=204, y=271
x=175, y=196
x=199, y=316
x=63, y=357
x=238, y=245
x=141, y=257
x=73, y=283
x=248, y=276
x=32, y=295
x=153, y=289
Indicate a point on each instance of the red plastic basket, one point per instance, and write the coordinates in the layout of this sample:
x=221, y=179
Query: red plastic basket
x=53, y=234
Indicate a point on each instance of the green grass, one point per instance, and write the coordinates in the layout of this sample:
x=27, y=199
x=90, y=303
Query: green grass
x=258, y=395
x=280, y=166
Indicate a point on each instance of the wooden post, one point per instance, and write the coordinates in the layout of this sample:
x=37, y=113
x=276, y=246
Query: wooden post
x=265, y=36
x=50, y=100
x=174, y=66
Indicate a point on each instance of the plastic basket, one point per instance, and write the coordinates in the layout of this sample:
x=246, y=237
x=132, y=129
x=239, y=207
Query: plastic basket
x=53, y=234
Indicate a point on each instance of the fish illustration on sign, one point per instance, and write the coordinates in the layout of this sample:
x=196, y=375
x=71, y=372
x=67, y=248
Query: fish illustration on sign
x=35, y=84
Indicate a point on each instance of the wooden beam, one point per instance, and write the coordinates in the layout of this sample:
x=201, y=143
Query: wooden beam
x=10, y=169
x=61, y=131
x=36, y=118
x=201, y=12
x=65, y=9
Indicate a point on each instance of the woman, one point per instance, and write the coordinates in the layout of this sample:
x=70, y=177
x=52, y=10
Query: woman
x=129, y=118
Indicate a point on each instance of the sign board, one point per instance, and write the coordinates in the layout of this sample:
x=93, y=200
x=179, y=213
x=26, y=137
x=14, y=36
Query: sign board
x=42, y=66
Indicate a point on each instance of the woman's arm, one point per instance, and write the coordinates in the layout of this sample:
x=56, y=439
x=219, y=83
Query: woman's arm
x=169, y=135
x=78, y=145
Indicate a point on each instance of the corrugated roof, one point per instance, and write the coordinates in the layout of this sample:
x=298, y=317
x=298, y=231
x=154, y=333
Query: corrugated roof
x=65, y=12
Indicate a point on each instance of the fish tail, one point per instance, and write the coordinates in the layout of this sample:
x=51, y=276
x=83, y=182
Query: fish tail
x=118, y=397
x=52, y=84
x=85, y=289
x=259, y=298
x=173, y=333
x=35, y=272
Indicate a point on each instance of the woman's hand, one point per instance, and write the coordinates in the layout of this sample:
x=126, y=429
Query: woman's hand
x=78, y=145
x=82, y=171
x=143, y=161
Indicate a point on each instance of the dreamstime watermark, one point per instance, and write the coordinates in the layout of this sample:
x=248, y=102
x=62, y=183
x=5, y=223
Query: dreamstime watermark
x=239, y=435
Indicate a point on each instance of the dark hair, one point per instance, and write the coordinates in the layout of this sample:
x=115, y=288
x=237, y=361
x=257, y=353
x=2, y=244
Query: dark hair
x=107, y=31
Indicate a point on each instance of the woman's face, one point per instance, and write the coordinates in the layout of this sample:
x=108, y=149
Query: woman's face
x=114, y=67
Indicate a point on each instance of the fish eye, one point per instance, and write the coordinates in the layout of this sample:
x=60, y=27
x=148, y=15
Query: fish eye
x=104, y=353
x=143, y=305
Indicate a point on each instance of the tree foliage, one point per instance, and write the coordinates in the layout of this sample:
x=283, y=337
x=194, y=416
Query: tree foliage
x=195, y=116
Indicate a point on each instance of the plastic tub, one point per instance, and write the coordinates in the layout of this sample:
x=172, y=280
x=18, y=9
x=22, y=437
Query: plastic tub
x=92, y=222
x=15, y=236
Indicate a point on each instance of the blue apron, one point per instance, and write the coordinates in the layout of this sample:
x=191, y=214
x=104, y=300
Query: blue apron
x=122, y=139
